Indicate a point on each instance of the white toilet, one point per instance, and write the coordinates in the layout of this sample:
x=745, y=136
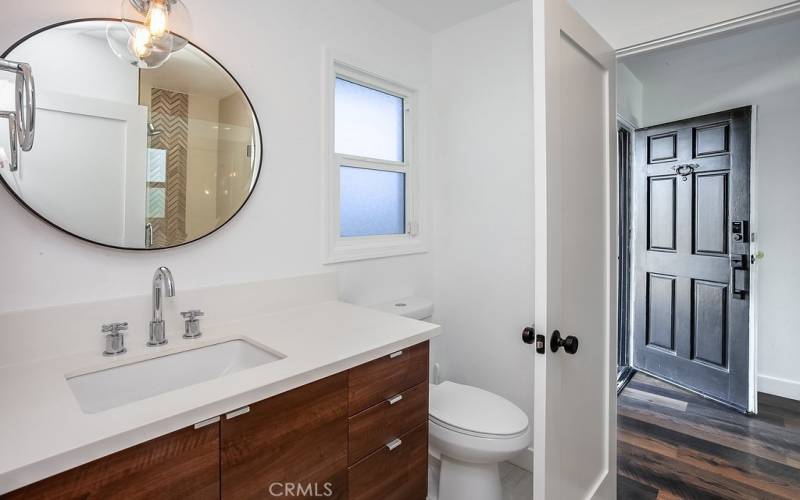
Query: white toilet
x=470, y=430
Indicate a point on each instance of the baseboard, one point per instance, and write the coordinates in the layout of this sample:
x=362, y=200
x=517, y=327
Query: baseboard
x=779, y=387
x=524, y=460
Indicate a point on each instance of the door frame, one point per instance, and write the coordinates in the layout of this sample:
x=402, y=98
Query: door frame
x=626, y=197
x=624, y=234
x=737, y=23
x=625, y=369
x=753, y=274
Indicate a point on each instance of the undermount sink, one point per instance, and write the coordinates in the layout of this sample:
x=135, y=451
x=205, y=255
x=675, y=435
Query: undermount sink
x=112, y=387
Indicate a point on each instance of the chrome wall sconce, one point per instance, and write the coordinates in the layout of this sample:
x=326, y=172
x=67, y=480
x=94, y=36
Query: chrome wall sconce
x=21, y=121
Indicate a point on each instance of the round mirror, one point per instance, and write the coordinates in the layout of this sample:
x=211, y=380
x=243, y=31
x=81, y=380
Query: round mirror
x=129, y=157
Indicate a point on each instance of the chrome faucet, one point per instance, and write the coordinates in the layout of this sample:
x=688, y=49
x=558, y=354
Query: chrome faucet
x=162, y=284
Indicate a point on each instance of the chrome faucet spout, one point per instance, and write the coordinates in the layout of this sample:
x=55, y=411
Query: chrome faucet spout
x=163, y=285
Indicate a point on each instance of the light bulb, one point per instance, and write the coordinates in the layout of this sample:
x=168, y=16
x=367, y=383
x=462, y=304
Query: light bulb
x=157, y=19
x=141, y=43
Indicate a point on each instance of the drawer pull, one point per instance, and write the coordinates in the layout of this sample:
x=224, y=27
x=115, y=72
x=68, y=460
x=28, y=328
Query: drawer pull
x=394, y=444
x=395, y=399
x=212, y=420
x=395, y=354
x=236, y=413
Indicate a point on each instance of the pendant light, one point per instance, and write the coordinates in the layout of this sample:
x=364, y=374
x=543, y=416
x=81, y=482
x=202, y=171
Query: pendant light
x=149, y=31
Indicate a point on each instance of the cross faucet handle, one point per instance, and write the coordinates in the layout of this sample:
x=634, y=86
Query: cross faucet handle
x=115, y=340
x=192, y=314
x=191, y=328
x=114, y=328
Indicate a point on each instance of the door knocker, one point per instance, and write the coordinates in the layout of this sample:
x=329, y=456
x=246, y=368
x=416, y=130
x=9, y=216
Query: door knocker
x=685, y=170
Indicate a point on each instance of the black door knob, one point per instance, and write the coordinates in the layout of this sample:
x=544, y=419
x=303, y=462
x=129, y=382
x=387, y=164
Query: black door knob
x=528, y=335
x=570, y=343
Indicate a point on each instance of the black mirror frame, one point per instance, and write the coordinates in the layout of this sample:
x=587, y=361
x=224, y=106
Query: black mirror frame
x=106, y=245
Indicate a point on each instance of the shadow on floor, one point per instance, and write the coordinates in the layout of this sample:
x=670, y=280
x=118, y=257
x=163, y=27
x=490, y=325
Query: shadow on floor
x=517, y=483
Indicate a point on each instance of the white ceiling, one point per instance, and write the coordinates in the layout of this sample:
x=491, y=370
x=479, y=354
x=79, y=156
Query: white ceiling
x=192, y=72
x=437, y=15
x=188, y=70
x=775, y=46
x=621, y=22
x=630, y=22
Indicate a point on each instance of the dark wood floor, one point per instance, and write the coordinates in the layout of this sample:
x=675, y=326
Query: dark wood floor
x=675, y=444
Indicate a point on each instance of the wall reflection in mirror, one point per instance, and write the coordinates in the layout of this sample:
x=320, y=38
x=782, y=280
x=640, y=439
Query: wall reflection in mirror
x=129, y=157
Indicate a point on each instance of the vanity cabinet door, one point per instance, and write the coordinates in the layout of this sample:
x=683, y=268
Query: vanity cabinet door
x=290, y=445
x=180, y=465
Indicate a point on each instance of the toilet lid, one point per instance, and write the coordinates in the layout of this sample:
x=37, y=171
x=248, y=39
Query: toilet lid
x=476, y=411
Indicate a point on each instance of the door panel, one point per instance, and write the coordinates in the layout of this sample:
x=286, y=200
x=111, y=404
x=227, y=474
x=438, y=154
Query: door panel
x=662, y=148
x=710, y=323
x=661, y=210
x=711, y=214
x=689, y=326
x=661, y=311
x=575, y=255
x=110, y=188
x=711, y=140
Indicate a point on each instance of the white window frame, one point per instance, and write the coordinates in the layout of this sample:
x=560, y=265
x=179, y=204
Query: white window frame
x=350, y=248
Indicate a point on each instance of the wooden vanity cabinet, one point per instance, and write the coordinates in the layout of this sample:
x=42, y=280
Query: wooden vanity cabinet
x=361, y=434
x=293, y=442
x=182, y=464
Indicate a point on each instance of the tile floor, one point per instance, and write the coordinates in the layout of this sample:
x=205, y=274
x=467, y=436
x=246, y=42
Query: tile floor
x=517, y=483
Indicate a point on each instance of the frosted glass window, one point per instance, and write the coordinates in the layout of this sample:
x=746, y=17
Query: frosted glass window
x=156, y=202
x=372, y=202
x=156, y=165
x=369, y=122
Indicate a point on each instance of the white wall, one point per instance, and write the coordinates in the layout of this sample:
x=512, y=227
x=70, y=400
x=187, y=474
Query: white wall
x=630, y=22
x=759, y=68
x=275, y=50
x=482, y=78
x=630, y=96
x=77, y=62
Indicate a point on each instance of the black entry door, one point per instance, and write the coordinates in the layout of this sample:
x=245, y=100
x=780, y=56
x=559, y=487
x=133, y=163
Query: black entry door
x=691, y=199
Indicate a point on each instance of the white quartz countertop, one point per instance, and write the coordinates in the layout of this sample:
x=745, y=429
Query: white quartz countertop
x=43, y=431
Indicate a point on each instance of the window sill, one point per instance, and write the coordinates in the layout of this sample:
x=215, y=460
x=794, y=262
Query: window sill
x=354, y=249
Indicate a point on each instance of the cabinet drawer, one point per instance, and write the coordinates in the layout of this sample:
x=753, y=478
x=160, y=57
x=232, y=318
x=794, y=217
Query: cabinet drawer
x=382, y=423
x=385, y=377
x=397, y=474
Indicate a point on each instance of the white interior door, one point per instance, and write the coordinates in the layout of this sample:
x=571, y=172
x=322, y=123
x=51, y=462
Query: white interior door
x=575, y=255
x=88, y=168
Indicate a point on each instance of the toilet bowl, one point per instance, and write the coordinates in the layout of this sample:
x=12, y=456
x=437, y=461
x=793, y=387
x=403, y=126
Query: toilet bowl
x=471, y=432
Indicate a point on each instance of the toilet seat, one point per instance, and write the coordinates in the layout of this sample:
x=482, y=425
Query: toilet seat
x=468, y=432
x=475, y=412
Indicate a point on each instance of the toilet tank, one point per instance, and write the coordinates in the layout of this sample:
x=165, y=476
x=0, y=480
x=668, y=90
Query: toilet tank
x=410, y=307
